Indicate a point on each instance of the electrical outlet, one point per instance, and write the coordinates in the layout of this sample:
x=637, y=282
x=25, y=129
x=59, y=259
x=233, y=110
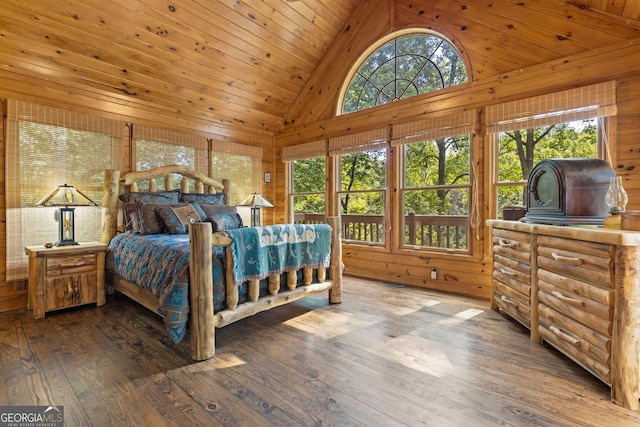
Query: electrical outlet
x=434, y=273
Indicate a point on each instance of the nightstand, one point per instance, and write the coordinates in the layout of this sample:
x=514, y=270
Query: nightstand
x=65, y=276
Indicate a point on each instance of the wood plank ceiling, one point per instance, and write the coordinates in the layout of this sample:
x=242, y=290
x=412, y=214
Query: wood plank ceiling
x=238, y=63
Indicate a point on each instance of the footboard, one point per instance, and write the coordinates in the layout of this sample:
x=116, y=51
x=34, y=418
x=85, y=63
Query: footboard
x=203, y=319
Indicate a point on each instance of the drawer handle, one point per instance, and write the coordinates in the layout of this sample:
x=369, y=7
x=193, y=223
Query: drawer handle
x=509, y=301
x=567, y=260
x=508, y=271
x=565, y=337
x=568, y=300
x=505, y=243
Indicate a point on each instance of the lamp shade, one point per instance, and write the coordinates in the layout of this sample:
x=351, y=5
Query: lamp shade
x=66, y=195
x=255, y=200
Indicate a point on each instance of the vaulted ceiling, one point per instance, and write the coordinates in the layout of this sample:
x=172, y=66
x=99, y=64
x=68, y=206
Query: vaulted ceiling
x=235, y=61
x=232, y=62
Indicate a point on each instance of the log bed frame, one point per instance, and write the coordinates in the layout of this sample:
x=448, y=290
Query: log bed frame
x=202, y=319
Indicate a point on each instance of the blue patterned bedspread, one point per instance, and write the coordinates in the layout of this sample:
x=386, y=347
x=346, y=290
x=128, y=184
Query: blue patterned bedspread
x=259, y=252
x=159, y=263
x=165, y=272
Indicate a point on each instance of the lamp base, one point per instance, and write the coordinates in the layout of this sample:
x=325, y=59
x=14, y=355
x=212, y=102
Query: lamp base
x=66, y=243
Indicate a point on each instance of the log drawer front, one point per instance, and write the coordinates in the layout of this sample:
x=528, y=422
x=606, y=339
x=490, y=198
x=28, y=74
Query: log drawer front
x=576, y=300
x=70, y=280
x=65, y=276
x=512, y=274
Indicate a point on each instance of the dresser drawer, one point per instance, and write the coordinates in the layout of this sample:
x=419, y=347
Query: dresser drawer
x=511, y=275
x=576, y=309
x=588, y=262
x=70, y=264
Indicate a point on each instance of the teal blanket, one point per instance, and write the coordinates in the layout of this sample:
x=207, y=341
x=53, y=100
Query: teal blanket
x=259, y=252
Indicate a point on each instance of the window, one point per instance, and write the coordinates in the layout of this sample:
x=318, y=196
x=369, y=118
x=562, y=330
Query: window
x=436, y=183
x=568, y=124
x=363, y=195
x=307, y=180
x=406, y=66
x=240, y=163
x=48, y=147
x=154, y=147
x=362, y=186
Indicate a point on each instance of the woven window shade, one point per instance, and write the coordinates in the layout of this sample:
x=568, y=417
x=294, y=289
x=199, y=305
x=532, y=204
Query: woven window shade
x=582, y=103
x=47, y=147
x=358, y=142
x=434, y=128
x=151, y=133
x=154, y=147
x=240, y=163
x=235, y=148
x=305, y=151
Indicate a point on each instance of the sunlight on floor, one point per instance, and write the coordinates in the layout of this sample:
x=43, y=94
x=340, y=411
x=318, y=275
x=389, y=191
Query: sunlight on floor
x=330, y=326
x=417, y=353
x=460, y=317
x=221, y=360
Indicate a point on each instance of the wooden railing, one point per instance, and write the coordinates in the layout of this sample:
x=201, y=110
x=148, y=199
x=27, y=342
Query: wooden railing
x=439, y=231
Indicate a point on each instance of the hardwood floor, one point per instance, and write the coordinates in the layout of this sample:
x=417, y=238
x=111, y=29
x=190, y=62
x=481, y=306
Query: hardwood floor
x=386, y=356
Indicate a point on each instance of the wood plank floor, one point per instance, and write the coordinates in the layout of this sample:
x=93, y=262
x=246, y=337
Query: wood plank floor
x=386, y=356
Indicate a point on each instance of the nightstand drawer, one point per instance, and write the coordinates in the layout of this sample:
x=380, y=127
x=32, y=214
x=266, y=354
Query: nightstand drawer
x=70, y=264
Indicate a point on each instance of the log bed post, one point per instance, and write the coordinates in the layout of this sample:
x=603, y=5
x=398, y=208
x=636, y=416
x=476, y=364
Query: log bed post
x=110, y=191
x=335, y=268
x=201, y=292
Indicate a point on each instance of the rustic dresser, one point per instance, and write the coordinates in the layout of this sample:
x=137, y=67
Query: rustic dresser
x=578, y=289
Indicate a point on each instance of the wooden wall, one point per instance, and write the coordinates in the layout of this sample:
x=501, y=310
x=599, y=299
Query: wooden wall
x=533, y=62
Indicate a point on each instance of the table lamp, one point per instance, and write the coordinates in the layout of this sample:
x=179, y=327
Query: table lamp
x=67, y=197
x=255, y=201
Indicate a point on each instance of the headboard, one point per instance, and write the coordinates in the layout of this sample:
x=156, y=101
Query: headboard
x=113, y=182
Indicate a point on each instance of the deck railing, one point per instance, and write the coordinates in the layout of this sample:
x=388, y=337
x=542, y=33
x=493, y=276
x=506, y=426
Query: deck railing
x=438, y=231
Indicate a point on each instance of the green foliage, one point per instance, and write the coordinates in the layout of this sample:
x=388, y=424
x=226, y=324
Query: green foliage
x=360, y=174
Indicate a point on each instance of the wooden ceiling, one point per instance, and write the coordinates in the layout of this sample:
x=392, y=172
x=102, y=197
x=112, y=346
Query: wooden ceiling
x=236, y=63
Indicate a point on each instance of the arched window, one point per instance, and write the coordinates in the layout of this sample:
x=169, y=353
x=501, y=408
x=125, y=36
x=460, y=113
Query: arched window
x=403, y=67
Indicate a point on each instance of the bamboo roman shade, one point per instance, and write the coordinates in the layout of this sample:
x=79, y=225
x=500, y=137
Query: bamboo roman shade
x=376, y=139
x=582, y=103
x=235, y=148
x=166, y=136
x=240, y=163
x=47, y=147
x=433, y=128
x=154, y=146
x=305, y=151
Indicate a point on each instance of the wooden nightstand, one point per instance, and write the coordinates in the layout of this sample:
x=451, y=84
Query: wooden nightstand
x=65, y=276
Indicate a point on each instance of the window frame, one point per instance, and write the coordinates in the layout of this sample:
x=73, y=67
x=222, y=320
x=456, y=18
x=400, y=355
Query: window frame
x=372, y=49
x=384, y=190
x=292, y=193
x=403, y=189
